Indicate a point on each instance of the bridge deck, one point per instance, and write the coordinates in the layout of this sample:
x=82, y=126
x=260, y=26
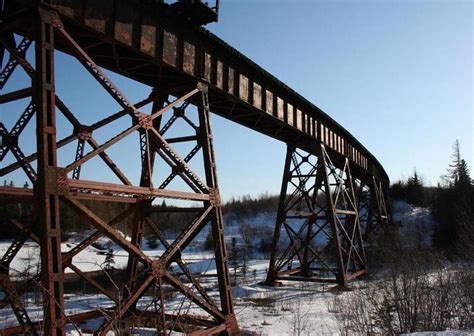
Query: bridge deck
x=136, y=39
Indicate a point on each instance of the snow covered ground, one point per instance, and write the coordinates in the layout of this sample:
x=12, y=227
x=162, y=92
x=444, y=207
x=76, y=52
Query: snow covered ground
x=415, y=222
x=292, y=309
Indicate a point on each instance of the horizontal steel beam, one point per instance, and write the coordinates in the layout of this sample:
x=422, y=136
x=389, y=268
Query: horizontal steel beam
x=82, y=186
x=180, y=55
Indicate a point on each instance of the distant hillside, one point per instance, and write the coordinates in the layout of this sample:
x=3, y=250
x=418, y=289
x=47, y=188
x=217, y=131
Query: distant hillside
x=246, y=206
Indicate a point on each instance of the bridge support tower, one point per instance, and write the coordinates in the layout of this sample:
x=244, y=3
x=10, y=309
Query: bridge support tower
x=194, y=310
x=324, y=215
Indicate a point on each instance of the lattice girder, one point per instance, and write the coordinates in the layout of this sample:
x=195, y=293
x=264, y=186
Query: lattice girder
x=65, y=184
x=327, y=243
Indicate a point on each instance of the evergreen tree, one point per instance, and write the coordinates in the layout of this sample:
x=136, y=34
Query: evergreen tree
x=453, y=209
x=414, y=190
x=464, y=179
x=244, y=257
x=152, y=242
x=109, y=261
x=458, y=172
x=398, y=190
x=209, y=243
x=234, y=258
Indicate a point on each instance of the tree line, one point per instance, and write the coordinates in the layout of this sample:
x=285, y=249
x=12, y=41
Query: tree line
x=451, y=202
x=163, y=215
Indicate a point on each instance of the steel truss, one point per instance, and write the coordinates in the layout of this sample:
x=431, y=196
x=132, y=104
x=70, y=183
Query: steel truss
x=374, y=213
x=54, y=187
x=322, y=221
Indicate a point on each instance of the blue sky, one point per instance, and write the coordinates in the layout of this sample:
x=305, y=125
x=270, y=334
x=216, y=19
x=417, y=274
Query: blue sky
x=396, y=74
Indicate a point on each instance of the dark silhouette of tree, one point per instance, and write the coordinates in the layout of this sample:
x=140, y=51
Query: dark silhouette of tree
x=398, y=190
x=234, y=258
x=244, y=258
x=464, y=178
x=414, y=190
x=458, y=172
x=453, y=209
x=109, y=262
x=209, y=243
x=152, y=242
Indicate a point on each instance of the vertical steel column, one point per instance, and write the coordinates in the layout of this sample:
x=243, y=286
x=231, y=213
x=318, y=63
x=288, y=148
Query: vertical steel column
x=46, y=188
x=383, y=218
x=141, y=211
x=335, y=218
x=281, y=215
x=331, y=215
x=369, y=225
x=225, y=288
x=388, y=205
x=356, y=217
x=311, y=221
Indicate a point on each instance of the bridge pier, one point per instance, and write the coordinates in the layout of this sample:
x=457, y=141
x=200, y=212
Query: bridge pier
x=321, y=221
x=56, y=188
x=374, y=211
x=319, y=236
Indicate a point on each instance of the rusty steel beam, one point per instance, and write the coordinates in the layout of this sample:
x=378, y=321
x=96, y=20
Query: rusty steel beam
x=180, y=262
x=180, y=59
x=98, y=74
x=182, y=56
x=124, y=306
x=132, y=191
x=113, y=296
x=142, y=207
x=105, y=229
x=13, y=62
x=47, y=192
x=168, y=209
x=184, y=319
x=12, y=295
x=335, y=220
x=30, y=158
x=186, y=236
x=13, y=249
x=225, y=289
x=172, y=251
x=67, y=257
x=187, y=292
x=173, y=159
x=16, y=95
x=77, y=126
x=11, y=144
x=17, y=305
x=16, y=193
x=70, y=319
x=124, y=134
x=272, y=271
x=84, y=133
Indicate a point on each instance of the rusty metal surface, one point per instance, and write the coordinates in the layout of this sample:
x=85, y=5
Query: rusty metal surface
x=217, y=62
x=322, y=199
x=137, y=40
x=52, y=183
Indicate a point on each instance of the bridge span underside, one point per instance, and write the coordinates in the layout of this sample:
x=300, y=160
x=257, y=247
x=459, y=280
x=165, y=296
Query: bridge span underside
x=333, y=195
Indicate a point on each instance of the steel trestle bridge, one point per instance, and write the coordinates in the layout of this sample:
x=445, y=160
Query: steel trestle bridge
x=334, y=192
